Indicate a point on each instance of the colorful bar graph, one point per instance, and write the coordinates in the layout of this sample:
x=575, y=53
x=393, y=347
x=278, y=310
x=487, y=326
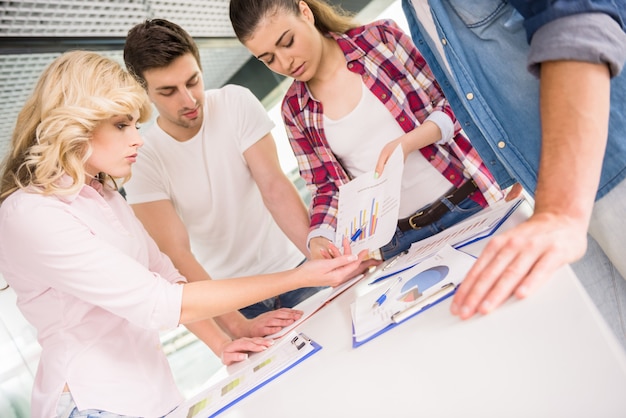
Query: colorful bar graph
x=365, y=221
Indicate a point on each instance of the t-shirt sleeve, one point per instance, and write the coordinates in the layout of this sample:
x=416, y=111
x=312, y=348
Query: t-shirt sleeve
x=249, y=116
x=147, y=182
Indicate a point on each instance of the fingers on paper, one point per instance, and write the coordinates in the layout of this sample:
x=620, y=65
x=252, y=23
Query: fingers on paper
x=288, y=313
x=501, y=271
x=238, y=349
x=271, y=322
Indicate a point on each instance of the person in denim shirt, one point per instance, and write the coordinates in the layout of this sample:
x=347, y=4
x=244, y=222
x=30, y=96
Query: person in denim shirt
x=558, y=129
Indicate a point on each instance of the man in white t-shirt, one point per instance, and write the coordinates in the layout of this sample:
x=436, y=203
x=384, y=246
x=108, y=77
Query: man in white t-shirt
x=208, y=185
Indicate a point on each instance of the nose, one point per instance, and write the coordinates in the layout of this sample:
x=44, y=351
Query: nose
x=188, y=99
x=137, y=141
x=284, y=62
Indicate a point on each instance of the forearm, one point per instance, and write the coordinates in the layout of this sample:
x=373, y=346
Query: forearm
x=210, y=298
x=211, y=334
x=290, y=213
x=232, y=322
x=574, y=104
x=426, y=134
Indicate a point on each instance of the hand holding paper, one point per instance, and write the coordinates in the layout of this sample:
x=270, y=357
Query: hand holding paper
x=371, y=205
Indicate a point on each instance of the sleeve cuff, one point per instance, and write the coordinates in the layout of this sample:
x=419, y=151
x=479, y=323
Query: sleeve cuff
x=445, y=125
x=589, y=37
x=320, y=232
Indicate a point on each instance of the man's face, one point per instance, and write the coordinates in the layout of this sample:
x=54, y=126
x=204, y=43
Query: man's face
x=177, y=92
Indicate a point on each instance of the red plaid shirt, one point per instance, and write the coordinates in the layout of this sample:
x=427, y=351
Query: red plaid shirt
x=394, y=70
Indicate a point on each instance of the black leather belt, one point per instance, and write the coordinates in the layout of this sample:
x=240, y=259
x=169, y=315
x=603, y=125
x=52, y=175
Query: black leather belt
x=435, y=211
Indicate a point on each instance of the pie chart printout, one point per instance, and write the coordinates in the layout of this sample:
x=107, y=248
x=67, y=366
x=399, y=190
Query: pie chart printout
x=423, y=280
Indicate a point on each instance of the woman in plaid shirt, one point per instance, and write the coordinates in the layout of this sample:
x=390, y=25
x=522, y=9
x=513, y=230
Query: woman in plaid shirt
x=358, y=93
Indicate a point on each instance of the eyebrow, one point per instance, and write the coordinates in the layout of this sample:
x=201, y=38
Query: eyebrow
x=280, y=38
x=116, y=118
x=173, y=87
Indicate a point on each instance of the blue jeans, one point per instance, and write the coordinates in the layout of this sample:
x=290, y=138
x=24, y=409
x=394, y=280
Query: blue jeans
x=66, y=408
x=603, y=268
x=286, y=300
x=402, y=240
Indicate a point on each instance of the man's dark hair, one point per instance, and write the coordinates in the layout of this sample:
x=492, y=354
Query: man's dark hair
x=156, y=43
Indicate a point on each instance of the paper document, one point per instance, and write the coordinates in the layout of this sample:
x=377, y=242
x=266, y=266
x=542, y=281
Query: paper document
x=368, y=207
x=230, y=384
x=409, y=292
x=315, y=302
x=479, y=226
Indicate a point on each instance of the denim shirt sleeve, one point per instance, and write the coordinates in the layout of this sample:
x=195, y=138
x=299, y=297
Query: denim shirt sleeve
x=589, y=37
x=538, y=13
x=485, y=52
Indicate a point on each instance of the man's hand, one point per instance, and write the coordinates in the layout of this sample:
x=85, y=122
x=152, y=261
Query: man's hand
x=518, y=261
x=237, y=350
x=271, y=322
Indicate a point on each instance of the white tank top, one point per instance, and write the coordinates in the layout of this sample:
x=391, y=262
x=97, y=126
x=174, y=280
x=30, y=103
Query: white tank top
x=357, y=139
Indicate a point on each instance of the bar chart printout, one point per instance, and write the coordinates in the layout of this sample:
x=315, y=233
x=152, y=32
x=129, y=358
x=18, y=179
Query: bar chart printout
x=371, y=205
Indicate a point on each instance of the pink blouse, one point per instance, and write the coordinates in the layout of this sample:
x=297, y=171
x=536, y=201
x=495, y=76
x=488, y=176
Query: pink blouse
x=96, y=287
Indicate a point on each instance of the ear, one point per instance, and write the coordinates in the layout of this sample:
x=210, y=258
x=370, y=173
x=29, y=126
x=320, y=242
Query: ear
x=306, y=11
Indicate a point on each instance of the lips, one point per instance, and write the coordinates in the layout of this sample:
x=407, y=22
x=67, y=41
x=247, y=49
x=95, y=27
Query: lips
x=298, y=71
x=132, y=158
x=192, y=114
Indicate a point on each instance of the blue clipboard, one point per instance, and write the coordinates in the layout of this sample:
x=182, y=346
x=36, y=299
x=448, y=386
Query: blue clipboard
x=208, y=403
x=435, y=301
x=316, y=348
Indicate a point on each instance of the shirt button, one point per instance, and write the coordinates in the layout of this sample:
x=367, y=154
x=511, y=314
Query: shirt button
x=469, y=96
x=401, y=118
x=501, y=144
x=444, y=41
x=452, y=176
x=383, y=96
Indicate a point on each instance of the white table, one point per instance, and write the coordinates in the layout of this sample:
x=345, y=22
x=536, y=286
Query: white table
x=550, y=355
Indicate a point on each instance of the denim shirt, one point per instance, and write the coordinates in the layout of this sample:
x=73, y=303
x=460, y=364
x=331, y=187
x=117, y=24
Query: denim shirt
x=492, y=93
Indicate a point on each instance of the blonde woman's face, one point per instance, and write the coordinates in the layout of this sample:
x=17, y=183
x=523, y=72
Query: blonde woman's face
x=114, y=145
x=288, y=44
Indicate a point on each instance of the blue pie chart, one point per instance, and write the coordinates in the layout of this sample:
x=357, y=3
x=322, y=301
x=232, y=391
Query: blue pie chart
x=427, y=278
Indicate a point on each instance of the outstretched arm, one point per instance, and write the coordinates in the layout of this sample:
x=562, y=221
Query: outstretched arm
x=279, y=194
x=574, y=135
x=166, y=228
x=208, y=298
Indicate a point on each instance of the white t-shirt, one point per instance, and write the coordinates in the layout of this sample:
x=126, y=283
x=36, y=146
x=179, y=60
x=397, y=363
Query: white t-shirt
x=357, y=139
x=207, y=179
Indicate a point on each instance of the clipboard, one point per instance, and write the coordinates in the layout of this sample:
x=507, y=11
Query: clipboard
x=315, y=302
x=233, y=383
x=421, y=287
x=482, y=225
x=406, y=315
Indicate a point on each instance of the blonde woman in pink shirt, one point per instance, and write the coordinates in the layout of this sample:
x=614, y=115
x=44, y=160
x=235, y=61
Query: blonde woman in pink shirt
x=87, y=275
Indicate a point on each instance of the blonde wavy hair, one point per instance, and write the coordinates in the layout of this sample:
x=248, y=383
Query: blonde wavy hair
x=75, y=93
